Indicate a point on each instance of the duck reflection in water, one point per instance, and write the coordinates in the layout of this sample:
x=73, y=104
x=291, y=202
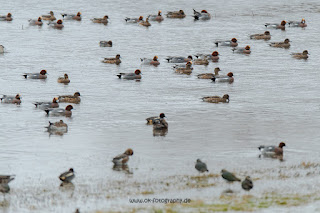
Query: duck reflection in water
x=67, y=187
x=122, y=168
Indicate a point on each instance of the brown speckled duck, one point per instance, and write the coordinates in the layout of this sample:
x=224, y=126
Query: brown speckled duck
x=64, y=80
x=145, y=23
x=151, y=120
x=284, y=44
x=115, y=60
x=105, y=43
x=123, y=158
x=176, y=14
x=216, y=99
x=37, y=22
x=201, y=61
x=210, y=75
x=303, y=55
x=103, y=20
x=49, y=17
x=70, y=98
x=185, y=70
x=266, y=36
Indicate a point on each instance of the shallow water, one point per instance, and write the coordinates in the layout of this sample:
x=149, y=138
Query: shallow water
x=274, y=98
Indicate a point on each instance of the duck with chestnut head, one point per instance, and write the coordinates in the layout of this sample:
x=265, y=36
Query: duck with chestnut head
x=157, y=18
x=203, y=15
x=301, y=23
x=76, y=17
x=7, y=17
x=224, y=79
x=134, y=20
x=36, y=22
x=229, y=43
x=242, y=50
x=41, y=75
x=46, y=105
x=130, y=76
x=281, y=26
x=122, y=159
x=272, y=151
x=153, y=61
x=7, y=99
x=59, y=111
x=58, y=25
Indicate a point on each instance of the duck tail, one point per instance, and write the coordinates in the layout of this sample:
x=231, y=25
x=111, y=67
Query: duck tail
x=119, y=75
x=63, y=15
x=213, y=79
x=47, y=111
x=217, y=43
x=25, y=75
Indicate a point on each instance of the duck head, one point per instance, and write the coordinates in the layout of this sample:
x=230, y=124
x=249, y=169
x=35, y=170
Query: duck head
x=283, y=23
x=181, y=12
x=71, y=169
x=247, y=47
x=155, y=58
x=18, y=96
x=226, y=96
x=267, y=33
x=190, y=57
x=162, y=115
x=59, y=21
x=79, y=14
x=109, y=42
x=105, y=17
x=282, y=144
x=215, y=53
x=199, y=161
x=204, y=11
x=230, y=74
x=43, y=72
x=234, y=40
x=76, y=94
x=129, y=152
x=286, y=41
x=39, y=19
x=69, y=108
x=66, y=76
x=9, y=15
x=51, y=13
x=54, y=100
x=159, y=13
x=118, y=56
x=305, y=52
x=137, y=72
x=303, y=21
x=140, y=18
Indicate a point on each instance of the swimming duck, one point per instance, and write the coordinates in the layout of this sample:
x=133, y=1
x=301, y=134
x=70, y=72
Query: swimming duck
x=201, y=61
x=153, y=61
x=272, y=151
x=176, y=14
x=105, y=43
x=210, y=75
x=58, y=127
x=46, y=105
x=49, y=17
x=64, y=80
x=41, y=75
x=200, y=166
x=158, y=17
x=216, y=99
x=185, y=70
x=130, y=76
x=70, y=98
x=284, y=44
x=229, y=176
x=215, y=56
x=301, y=23
x=160, y=124
x=175, y=59
x=134, y=20
x=145, y=23
x=103, y=20
x=57, y=25
x=228, y=78
x=266, y=36
x=247, y=184
x=76, y=17
x=8, y=17
x=122, y=158
x=151, y=120
x=281, y=26
x=115, y=60
x=204, y=15
x=231, y=43
x=36, y=22
x=4, y=182
x=303, y=55
x=67, y=176
x=11, y=99
x=60, y=112
x=245, y=50
x=1, y=49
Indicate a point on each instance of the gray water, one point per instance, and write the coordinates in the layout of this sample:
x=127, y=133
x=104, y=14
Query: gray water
x=274, y=98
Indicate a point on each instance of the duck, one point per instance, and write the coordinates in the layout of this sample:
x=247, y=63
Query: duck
x=284, y=44
x=215, y=56
x=11, y=99
x=153, y=61
x=7, y=17
x=145, y=23
x=157, y=18
x=201, y=61
x=76, y=17
x=134, y=20
x=301, y=23
x=151, y=120
x=201, y=166
x=303, y=55
x=176, y=14
x=160, y=124
x=272, y=151
x=130, y=76
x=70, y=98
x=115, y=60
x=105, y=43
x=231, y=43
x=216, y=99
x=210, y=75
x=266, y=36
x=243, y=50
x=37, y=22
x=4, y=182
x=41, y=75
x=178, y=59
x=50, y=17
x=203, y=15
x=57, y=25
x=247, y=184
x=103, y=20
x=58, y=127
x=67, y=176
x=59, y=111
x=185, y=70
x=228, y=78
x=1, y=49
x=64, y=80
x=229, y=176
x=281, y=26
x=46, y=105
x=122, y=159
